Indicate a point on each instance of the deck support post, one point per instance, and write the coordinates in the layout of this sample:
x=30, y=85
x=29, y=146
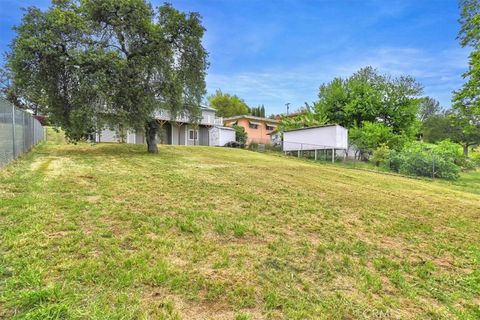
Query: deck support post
x=316, y=152
x=333, y=155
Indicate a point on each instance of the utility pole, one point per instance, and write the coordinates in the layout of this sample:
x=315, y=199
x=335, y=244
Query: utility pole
x=288, y=106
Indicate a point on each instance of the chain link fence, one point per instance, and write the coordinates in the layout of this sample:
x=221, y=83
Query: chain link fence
x=19, y=132
x=302, y=150
x=410, y=162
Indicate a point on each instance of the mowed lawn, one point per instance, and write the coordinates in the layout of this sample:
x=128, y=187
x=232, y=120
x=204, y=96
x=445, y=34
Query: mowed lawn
x=111, y=232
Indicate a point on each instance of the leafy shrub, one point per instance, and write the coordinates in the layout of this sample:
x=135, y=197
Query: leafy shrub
x=381, y=155
x=373, y=135
x=240, y=134
x=253, y=146
x=475, y=157
x=422, y=159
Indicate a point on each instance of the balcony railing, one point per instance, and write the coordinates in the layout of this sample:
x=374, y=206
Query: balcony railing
x=206, y=119
x=211, y=120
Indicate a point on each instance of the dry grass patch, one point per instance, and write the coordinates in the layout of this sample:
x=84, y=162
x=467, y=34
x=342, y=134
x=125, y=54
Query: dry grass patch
x=108, y=231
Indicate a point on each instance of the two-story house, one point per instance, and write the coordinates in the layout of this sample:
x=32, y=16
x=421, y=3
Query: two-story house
x=257, y=128
x=208, y=132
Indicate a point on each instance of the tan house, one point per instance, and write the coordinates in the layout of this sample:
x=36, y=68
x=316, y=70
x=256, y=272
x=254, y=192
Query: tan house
x=257, y=128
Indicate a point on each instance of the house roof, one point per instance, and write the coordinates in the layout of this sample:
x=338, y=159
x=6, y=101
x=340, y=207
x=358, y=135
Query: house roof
x=248, y=117
x=207, y=108
x=226, y=128
x=322, y=126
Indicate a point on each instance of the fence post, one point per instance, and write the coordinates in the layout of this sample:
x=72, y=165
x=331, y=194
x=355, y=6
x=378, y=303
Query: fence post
x=33, y=133
x=13, y=132
x=32, y=121
x=23, y=133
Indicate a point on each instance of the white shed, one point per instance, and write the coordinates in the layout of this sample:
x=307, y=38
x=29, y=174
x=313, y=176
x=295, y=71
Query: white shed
x=219, y=136
x=328, y=137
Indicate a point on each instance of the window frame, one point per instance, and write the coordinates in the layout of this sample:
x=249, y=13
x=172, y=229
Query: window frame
x=269, y=127
x=195, y=134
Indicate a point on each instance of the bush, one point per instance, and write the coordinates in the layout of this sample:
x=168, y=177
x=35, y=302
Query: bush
x=253, y=146
x=240, y=134
x=475, y=157
x=380, y=155
x=422, y=159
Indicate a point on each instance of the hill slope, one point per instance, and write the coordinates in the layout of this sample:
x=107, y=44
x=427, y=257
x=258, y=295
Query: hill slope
x=111, y=232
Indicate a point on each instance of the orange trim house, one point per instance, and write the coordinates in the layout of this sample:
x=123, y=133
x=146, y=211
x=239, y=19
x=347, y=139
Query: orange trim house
x=257, y=128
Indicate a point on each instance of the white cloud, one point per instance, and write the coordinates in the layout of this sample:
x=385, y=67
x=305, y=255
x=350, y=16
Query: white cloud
x=439, y=72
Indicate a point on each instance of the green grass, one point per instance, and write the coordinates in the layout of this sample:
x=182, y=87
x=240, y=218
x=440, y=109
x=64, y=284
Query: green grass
x=110, y=232
x=468, y=181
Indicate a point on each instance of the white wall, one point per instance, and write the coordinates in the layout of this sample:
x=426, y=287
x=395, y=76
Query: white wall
x=219, y=136
x=328, y=137
x=108, y=135
x=226, y=135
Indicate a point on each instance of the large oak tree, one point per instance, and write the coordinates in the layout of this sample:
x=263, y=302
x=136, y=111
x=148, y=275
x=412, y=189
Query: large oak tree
x=97, y=63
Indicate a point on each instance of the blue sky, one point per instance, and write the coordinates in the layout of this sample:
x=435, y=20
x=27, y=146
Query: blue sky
x=274, y=52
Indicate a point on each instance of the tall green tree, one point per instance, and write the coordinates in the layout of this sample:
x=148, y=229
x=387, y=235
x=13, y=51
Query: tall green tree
x=110, y=62
x=368, y=96
x=228, y=105
x=258, y=111
x=382, y=102
x=428, y=107
x=7, y=90
x=438, y=127
x=466, y=101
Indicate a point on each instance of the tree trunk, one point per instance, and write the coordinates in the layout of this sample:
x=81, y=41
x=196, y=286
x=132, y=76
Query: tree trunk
x=151, y=128
x=465, y=150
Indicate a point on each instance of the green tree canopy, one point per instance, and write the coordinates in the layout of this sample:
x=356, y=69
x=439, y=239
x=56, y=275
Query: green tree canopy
x=227, y=105
x=368, y=96
x=258, y=111
x=306, y=117
x=466, y=101
x=94, y=63
x=438, y=127
x=372, y=135
x=428, y=107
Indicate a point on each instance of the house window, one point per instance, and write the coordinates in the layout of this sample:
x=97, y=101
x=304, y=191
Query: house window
x=270, y=127
x=253, y=125
x=192, y=134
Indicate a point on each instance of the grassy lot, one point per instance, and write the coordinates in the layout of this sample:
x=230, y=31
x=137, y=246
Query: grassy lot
x=469, y=181
x=110, y=232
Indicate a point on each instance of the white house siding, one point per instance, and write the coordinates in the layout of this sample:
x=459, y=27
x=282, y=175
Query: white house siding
x=203, y=136
x=316, y=138
x=174, y=133
x=219, y=136
x=131, y=138
x=107, y=135
x=139, y=138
